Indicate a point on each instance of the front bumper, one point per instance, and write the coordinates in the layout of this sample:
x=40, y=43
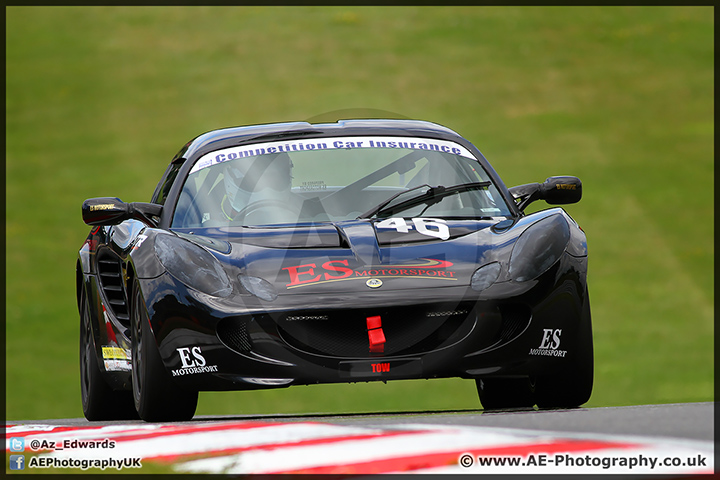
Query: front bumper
x=512, y=329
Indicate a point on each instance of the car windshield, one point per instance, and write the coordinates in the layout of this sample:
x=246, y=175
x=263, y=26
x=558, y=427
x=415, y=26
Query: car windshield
x=334, y=179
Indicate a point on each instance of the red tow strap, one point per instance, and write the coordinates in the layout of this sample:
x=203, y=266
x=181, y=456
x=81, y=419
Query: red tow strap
x=375, y=334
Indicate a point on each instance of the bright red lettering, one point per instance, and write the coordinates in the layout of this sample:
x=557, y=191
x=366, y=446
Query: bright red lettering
x=346, y=272
x=380, y=367
x=295, y=274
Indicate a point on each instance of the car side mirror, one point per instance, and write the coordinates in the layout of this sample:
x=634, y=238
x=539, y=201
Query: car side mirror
x=555, y=191
x=112, y=211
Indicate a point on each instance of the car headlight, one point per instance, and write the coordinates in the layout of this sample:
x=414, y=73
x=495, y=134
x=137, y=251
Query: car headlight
x=485, y=276
x=538, y=248
x=192, y=265
x=259, y=287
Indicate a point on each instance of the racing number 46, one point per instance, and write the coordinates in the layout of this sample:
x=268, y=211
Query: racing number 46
x=432, y=227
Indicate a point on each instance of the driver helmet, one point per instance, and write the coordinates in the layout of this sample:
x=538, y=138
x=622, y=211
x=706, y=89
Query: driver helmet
x=259, y=177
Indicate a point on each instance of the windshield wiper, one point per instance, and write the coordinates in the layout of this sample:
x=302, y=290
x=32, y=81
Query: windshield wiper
x=430, y=197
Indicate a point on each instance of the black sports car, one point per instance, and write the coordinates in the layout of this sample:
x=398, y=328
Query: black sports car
x=297, y=253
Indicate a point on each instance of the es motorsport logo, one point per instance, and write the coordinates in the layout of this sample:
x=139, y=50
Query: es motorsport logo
x=339, y=270
x=193, y=362
x=549, y=344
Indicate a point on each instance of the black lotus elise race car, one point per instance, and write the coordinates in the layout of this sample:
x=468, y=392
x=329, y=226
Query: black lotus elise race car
x=297, y=253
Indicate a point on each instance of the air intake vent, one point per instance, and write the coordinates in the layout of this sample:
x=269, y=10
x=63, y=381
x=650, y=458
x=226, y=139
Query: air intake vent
x=408, y=329
x=233, y=333
x=111, y=282
x=515, y=318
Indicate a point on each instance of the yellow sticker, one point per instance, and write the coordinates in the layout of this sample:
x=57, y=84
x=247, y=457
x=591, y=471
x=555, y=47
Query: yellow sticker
x=104, y=206
x=116, y=353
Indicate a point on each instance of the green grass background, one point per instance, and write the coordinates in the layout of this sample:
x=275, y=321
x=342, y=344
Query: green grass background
x=99, y=99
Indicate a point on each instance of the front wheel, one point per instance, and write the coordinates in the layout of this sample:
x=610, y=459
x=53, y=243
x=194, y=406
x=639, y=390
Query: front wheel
x=571, y=387
x=497, y=393
x=567, y=390
x=156, y=397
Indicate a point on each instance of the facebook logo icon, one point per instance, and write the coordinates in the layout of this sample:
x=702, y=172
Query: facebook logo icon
x=17, y=462
x=17, y=444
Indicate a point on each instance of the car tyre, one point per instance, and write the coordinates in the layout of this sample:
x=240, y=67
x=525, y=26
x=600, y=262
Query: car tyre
x=571, y=387
x=567, y=390
x=99, y=400
x=500, y=393
x=157, y=398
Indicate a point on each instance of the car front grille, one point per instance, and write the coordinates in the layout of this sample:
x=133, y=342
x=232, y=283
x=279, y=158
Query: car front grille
x=408, y=330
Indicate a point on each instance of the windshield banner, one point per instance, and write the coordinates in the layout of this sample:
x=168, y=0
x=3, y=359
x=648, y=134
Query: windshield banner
x=329, y=143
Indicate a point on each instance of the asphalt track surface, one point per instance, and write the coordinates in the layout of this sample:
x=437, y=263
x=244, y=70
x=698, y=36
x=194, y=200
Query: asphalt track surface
x=694, y=421
x=400, y=442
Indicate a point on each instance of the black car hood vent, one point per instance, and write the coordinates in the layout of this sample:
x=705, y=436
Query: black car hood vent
x=310, y=236
x=359, y=234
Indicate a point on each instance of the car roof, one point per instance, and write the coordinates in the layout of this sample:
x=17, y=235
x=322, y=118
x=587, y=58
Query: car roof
x=224, y=137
